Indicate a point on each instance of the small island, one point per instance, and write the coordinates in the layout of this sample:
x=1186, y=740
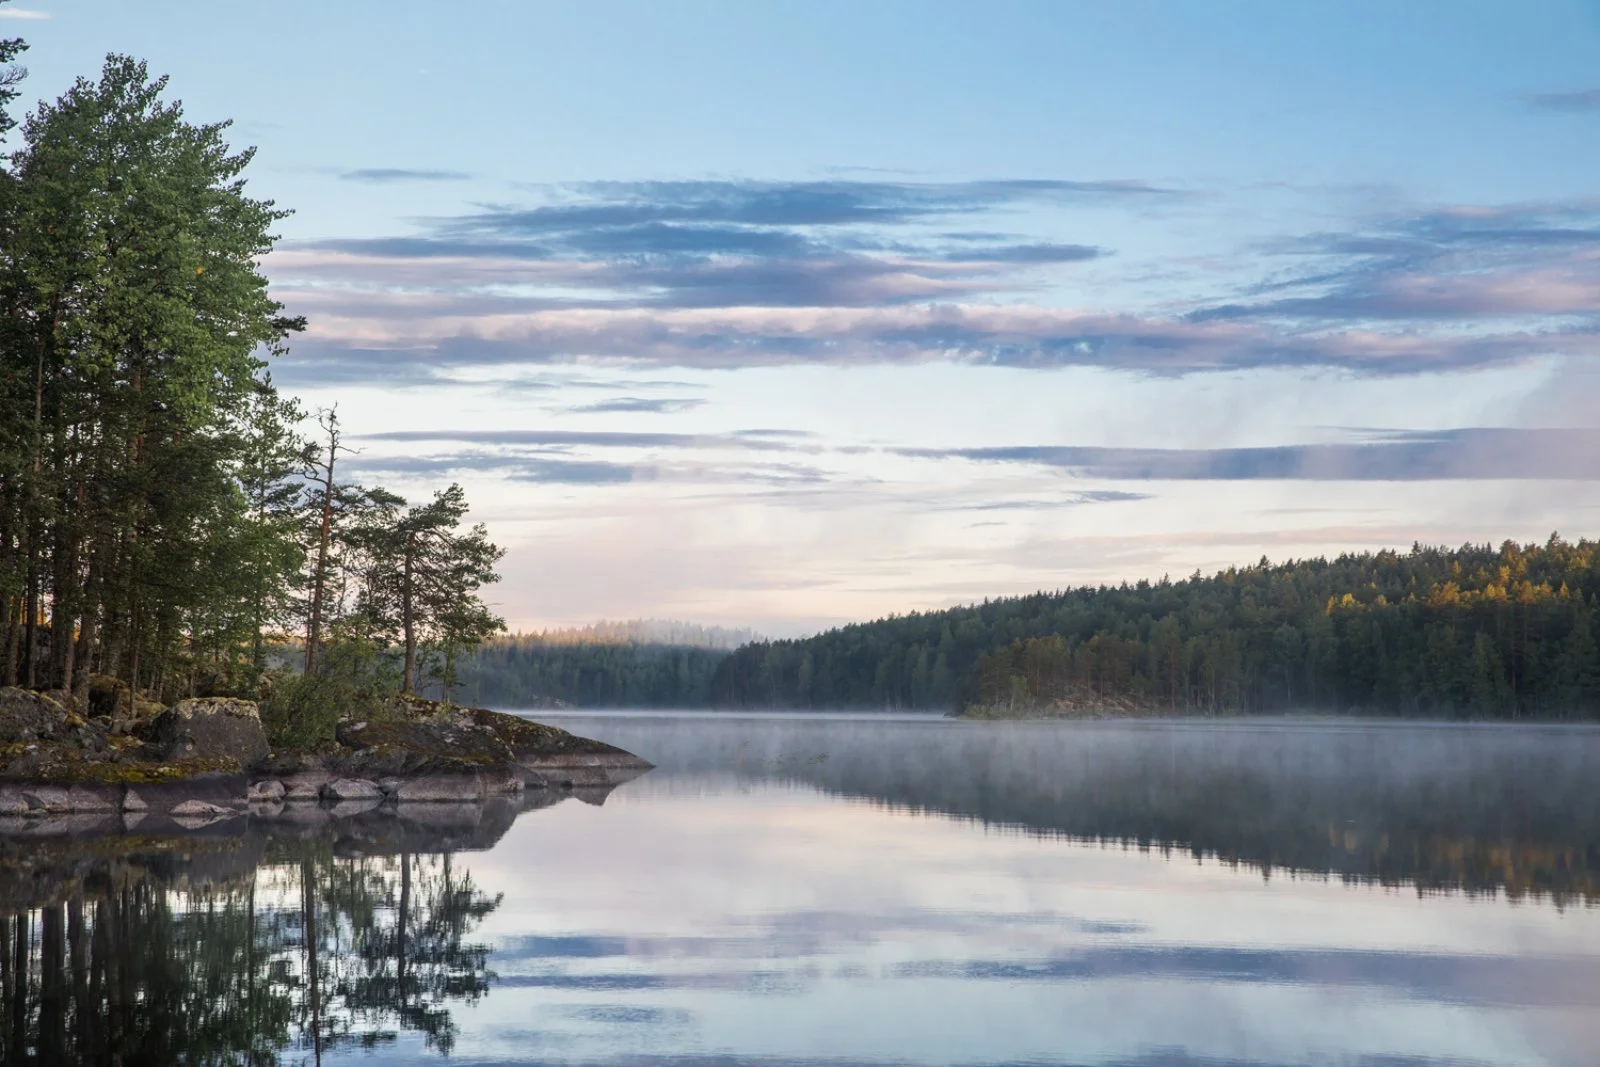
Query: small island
x=124, y=764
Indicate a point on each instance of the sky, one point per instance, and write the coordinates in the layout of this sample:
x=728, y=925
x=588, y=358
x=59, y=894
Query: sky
x=786, y=315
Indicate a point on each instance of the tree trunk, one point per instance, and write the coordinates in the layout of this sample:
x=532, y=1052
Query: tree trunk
x=13, y=637
x=407, y=622
x=319, y=577
x=30, y=650
x=88, y=633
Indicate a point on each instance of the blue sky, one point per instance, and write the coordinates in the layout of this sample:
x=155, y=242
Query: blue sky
x=791, y=314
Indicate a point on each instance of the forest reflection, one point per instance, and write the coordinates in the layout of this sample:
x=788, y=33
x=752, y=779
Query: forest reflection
x=227, y=950
x=1457, y=809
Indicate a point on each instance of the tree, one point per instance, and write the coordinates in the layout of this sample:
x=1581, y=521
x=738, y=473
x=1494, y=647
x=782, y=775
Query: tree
x=10, y=75
x=135, y=323
x=425, y=580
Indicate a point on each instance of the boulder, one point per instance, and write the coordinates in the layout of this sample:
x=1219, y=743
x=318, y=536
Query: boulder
x=212, y=728
x=47, y=800
x=305, y=786
x=124, y=711
x=194, y=814
x=29, y=716
x=269, y=790
x=351, y=789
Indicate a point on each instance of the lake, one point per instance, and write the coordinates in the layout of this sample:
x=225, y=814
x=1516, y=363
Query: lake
x=823, y=891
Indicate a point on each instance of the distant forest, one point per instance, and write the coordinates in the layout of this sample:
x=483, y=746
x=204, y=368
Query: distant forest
x=639, y=664
x=1478, y=631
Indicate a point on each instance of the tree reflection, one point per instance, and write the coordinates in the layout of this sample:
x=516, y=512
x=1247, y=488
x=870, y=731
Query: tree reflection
x=139, y=963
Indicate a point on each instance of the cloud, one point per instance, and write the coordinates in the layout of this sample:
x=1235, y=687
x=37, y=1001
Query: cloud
x=1582, y=100
x=384, y=175
x=1068, y=500
x=24, y=13
x=728, y=274
x=547, y=468
x=639, y=405
x=541, y=470
x=581, y=439
x=702, y=244
x=1448, y=455
x=1031, y=253
x=1013, y=336
x=787, y=204
x=1466, y=263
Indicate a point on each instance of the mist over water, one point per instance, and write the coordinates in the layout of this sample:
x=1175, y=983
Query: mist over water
x=865, y=890
x=1440, y=807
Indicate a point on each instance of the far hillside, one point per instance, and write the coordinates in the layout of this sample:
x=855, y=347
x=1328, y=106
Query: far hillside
x=1476, y=631
x=643, y=663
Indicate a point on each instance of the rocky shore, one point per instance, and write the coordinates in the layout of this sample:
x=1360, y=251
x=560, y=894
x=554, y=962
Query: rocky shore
x=205, y=759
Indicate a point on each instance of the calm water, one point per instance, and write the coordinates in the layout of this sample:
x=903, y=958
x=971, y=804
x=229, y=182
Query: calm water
x=841, y=891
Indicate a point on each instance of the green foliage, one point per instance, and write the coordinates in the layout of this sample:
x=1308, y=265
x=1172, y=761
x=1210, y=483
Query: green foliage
x=10, y=49
x=421, y=586
x=357, y=679
x=162, y=519
x=1480, y=631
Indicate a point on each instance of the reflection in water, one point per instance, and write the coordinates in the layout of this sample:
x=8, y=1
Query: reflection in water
x=1475, y=809
x=828, y=893
x=234, y=947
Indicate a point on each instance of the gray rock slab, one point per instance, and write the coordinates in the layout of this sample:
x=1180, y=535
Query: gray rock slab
x=351, y=789
x=440, y=789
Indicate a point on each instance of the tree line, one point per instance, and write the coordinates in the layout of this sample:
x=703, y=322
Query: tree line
x=536, y=670
x=163, y=518
x=1478, y=631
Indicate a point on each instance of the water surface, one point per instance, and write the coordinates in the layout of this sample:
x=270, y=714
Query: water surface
x=852, y=890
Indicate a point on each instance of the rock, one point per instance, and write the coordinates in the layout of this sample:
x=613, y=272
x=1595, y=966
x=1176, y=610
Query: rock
x=95, y=798
x=12, y=804
x=124, y=711
x=29, y=716
x=508, y=783
x=198, y=814
x=47, y=800
x=223, y=789
x=200, y=809
x=132, y=801
x=446, y=744
x=109, y=697
x=440, y=789
x=211, y=728
x=283, y=763
x=351, y=789
x=269, y=790
x=306, y=786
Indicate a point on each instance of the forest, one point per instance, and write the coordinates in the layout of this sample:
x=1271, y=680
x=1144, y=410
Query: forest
x=166, y=514
x=608, y=665
x=1476, y=631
